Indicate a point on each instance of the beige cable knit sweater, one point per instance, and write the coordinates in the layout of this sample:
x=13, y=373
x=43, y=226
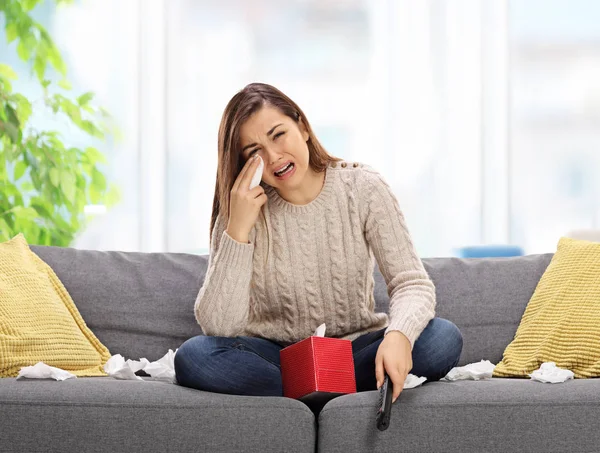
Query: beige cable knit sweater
x=311, y=264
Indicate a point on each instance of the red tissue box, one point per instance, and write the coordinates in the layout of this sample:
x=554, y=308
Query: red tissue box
x=317, y=365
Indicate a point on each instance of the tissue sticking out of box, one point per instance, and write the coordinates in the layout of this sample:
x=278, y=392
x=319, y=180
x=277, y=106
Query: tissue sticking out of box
x=320, y=332
x=43, y=371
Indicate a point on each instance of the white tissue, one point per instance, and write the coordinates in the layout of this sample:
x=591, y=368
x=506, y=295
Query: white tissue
x=549, y=373
x=320, y=332
x=474, y=371
x=119, y=369
x=163, y=369
x=43, y=371
x=413, y=381
x=258, y=174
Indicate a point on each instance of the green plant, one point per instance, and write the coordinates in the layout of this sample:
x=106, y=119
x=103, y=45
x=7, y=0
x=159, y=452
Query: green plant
x=45, y=184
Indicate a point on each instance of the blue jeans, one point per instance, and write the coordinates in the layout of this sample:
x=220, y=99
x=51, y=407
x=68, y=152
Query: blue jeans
x=250, y=365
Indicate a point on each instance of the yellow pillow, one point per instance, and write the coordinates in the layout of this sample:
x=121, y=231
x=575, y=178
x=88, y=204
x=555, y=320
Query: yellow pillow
x=562, y=320
x=39, y=320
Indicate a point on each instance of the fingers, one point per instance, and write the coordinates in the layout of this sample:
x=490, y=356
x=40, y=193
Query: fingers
x=398, y=381
x=250, y=170
x=379, y=370
x=246, y=174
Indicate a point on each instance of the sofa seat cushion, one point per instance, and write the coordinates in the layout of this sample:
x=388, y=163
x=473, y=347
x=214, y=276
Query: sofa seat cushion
x=495, y=415
x=101, y=414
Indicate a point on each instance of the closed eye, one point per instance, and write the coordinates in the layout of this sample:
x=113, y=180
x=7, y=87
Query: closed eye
x=274, y=138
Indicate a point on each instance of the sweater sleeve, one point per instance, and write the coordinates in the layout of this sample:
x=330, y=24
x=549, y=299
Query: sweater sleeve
x=411, y=291
x=222, y=304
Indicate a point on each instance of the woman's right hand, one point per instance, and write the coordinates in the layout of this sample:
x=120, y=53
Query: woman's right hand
x=245, y=204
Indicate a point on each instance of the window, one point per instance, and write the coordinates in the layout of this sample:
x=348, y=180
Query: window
x=482, y=115
x=555, y=120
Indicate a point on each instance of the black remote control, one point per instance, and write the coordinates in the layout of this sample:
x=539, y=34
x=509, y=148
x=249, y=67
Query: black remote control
x=385, y=404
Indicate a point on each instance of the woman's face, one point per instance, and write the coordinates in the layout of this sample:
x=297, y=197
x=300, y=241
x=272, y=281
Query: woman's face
x=278, y=139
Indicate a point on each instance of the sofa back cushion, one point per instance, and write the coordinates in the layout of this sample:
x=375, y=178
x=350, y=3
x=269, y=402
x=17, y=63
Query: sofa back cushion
x=484, y=297
x=142, y=304
x=137, y=304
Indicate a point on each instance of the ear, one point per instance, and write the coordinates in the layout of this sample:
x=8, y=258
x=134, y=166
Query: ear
x=303, y=130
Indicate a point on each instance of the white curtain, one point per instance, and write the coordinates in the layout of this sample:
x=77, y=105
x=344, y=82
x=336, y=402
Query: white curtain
x=419, y=89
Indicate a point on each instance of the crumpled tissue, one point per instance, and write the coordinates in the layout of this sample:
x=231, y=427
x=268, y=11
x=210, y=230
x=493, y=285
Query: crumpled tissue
x=549, y=373
x=43, y=371
x=474, y=371
x=411, y=380
x=162, y=369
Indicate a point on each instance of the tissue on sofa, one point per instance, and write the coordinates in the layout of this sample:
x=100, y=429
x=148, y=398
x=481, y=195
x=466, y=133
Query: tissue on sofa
x=549, y=373
x=42, y=370
x=162, y=369
x=474, y=371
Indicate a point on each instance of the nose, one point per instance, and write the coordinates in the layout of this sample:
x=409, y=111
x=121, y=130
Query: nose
x=273, y=155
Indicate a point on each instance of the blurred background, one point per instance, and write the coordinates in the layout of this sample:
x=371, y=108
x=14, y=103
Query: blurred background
x=483, y=115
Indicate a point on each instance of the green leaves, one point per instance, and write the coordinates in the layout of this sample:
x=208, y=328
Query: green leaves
x=65, y=84
x=67, y=184
x=55, y=177
x=94, y=156
x=85, y=98
x=45, y=182
x=28, y=5
x=7, y=72
x=10, y=131
x=23, y=107
x=11, y=32
x=20, y=170
x=6, y=75
x=98, y=180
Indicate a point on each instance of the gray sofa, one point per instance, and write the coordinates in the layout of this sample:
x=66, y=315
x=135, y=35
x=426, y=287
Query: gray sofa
x=140, y=305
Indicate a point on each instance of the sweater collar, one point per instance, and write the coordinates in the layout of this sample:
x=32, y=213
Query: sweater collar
x=278, y=203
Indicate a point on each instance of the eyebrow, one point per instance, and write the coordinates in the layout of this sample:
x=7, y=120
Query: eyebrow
x=268, y=134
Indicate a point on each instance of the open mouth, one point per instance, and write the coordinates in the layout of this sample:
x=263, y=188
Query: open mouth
x=286, y=171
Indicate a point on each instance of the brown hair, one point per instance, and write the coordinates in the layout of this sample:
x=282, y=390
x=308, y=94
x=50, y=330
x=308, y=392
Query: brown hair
x=230, y=161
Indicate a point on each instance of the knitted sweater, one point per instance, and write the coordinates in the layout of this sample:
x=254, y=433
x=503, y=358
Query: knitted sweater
x=311, y=264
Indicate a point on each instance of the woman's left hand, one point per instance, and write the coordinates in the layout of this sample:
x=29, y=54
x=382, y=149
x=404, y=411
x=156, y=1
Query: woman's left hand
x=395, y=355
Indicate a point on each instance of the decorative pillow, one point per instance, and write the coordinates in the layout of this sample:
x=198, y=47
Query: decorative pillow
x=39, y=320
x=562, y=320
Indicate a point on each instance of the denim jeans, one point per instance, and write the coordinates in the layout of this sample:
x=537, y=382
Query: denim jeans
x=250, y=365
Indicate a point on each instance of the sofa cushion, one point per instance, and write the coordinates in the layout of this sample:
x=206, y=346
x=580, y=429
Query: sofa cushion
x=104, y=414
x=561, y=323
x=137, y=304
x=496, y=415
x=38, y=319
x=484, y=297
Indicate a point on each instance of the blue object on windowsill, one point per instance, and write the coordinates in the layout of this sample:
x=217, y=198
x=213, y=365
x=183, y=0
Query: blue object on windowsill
x=489, y=251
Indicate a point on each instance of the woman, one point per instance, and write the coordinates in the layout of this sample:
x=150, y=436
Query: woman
x=297, y=251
